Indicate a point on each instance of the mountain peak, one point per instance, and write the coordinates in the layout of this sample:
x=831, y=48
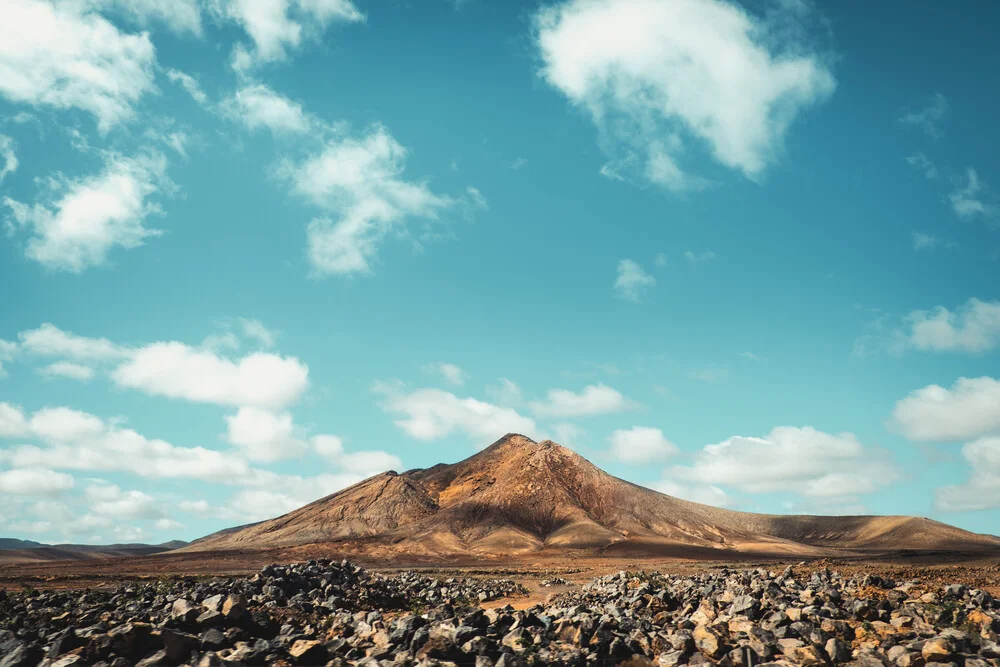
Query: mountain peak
x=521, y=496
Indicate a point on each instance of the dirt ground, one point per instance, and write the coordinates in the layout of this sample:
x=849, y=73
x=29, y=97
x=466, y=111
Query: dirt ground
x=974, y=569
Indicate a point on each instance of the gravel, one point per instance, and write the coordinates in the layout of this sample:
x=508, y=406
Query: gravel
x=326, y=612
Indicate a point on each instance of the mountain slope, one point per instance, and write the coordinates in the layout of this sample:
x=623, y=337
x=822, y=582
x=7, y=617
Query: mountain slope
x=519, y=496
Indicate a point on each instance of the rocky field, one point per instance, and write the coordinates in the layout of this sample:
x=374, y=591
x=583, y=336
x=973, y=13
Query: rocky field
x=324, y=612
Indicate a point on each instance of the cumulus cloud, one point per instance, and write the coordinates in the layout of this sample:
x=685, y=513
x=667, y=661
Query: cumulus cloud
x=802, y=461
x=110, y=500
x=256, y=331
x=258, y=107
x=75, y=224
x=277, y=26
x=967, y=200
x=975, y=327
x=505, y=393
x=360, y=182
x=181, y=16
x=640, y=444
x=12, y=421
x=982, y=489
x=596, y=399
x=75, y=440
x=61, y=56
x=189, y=84
x=451, y=373
x=632, y=280
x=929, y=118
x=51, y=341
x=698, y=493
x=9, y=157
x=68, y=369
x=264, y=435
x=176, y=370
x=923, y=164
x=970, y=409
x=662, y=78
x=431, y=414
x=34, y=482
x=697, y=257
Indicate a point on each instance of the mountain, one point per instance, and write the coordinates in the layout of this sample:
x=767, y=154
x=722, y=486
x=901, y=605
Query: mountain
x=26, y=551
x=518, y=496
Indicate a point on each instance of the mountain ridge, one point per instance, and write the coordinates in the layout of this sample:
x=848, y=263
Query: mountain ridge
x=518, y=496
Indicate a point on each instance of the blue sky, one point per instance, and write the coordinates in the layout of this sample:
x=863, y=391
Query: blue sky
x=743, y=254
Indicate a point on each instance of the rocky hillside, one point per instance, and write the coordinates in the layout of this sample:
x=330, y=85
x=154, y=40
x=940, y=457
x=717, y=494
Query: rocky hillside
x=518, y=496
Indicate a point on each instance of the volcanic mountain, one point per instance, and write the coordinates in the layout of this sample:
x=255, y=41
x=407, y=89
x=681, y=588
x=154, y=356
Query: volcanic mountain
x=518, y=496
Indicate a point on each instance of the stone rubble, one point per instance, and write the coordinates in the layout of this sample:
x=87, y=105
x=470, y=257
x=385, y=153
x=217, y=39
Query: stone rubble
x=335, y=613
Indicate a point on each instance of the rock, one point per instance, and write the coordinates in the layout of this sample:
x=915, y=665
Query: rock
x=182, y=611
x=707, y=641
x=156, y=660
x=809, y=656
x=308, y=652
x=838, y=650
x=177, y=645
x=938, y=649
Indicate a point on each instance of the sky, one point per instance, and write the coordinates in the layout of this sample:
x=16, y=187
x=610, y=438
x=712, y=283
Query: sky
x=252, y=253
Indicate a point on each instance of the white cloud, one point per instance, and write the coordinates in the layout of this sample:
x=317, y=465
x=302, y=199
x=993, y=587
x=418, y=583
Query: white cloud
x=68, y=369
x=451, y=373
x=75, y=440
x=982, y=490
x=566, y=434
x=661, y=259
x=9, y=157
x=78, y=221
x=276, y=26
x=51, y=341
x=698, y=493
x=975, y=327
x=750, y=356
x=34, y=482
x=7, y=351
x=928, y=118
x=176, y=370
x=505, y=393
x=260, y=107
x=695, y=258
x=923, y=241
x=596, y=399
x=640, y=444
x=632, y=280
x=12, y=421
x=181, y=16
x=430, y=414
x=264, y=435
x=803, y=461
x=189, y=84
x=922, y=163
x=368, y=463
x=109, y=500
x=709, y=374
x=359, y=181
x=255, y=330
x=967, y=201
x=57, y=55
x=970, y=409
x=661, y=78
x=519, y=163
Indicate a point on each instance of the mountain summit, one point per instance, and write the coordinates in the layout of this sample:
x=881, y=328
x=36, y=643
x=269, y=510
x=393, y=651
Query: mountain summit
x=519, y=496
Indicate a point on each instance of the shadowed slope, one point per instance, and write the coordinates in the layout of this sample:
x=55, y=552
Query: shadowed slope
x=519, y=496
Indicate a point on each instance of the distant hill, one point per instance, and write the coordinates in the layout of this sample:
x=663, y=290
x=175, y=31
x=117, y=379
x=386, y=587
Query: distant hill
x=522, y=497
x=14, y=543
x=27, y=551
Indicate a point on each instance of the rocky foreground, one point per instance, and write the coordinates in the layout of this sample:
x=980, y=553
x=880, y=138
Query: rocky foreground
x=336, y=613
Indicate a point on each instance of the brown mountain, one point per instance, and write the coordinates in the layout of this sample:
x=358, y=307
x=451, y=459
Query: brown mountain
x=519, y=497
